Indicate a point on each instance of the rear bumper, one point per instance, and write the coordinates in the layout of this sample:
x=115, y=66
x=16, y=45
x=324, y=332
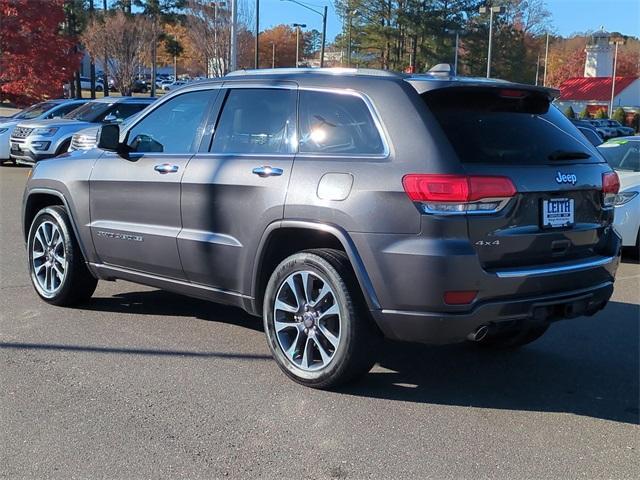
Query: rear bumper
x=442, y=328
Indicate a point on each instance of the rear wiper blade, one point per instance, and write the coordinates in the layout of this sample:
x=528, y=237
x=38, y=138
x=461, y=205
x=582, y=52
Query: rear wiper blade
x=568, y=155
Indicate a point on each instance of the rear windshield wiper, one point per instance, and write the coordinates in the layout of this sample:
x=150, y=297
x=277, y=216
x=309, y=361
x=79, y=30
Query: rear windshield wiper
x=568, y=155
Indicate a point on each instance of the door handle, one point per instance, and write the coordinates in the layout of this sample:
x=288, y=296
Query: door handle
x=268, y=171
x=166, y=168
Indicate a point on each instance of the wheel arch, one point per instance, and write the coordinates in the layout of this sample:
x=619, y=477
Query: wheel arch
x=309, y=235
x=40, y=198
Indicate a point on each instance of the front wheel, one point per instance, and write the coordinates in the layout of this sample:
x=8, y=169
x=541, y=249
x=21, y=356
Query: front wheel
x=58, y=271
x=316, y=322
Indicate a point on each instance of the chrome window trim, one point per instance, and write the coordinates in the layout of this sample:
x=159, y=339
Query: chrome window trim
x=559, y=269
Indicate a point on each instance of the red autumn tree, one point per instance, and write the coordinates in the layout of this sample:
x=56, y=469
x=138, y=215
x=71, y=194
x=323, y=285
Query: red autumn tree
x=36, y=59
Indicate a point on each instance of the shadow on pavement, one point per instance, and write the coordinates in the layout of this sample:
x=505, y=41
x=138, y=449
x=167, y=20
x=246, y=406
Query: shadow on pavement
x=587, y=366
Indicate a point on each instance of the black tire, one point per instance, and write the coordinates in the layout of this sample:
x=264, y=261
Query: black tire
x=78, y=284
x=63, y=148
x=359, y=337
x=513, y=338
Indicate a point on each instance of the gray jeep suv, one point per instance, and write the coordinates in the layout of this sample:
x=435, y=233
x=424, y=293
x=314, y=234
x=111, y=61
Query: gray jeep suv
x=341, y=206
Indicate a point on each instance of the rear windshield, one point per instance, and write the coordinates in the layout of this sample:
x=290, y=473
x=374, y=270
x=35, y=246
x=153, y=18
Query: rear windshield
x=507, y=127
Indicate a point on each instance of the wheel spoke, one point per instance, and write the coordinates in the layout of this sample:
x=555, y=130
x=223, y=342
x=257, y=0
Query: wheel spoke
x=58, y=273
x=285, y=307
x=326, y=290
x=58, y=259
x=39, y=268
x=332, y=310
x=331, y=338
x=307, y=354
x=282, y=325
x=39, y=238
x=55, y=236
x=294, y=290
x=37, y=254
x=306, y=286
x=291, y=351
x=323, y=353
x=47, y=278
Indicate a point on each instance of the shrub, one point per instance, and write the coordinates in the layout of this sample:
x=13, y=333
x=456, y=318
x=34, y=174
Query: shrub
x=600, y=114
x=619, y=115
x=585, y=113
x=569, y=113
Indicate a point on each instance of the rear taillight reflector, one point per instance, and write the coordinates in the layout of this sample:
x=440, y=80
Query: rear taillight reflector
x=462, y=297
x=610, y=182
x=456, y=188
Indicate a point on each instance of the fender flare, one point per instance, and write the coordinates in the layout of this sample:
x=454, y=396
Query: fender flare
x=60, y=195
x=340, y=234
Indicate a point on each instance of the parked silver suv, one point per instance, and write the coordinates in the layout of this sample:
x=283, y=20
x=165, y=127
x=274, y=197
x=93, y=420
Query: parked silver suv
x=36, y=140
x=341, y=206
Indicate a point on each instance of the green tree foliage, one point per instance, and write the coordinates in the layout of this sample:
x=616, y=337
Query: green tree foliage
x=619, y=115
x=601, y=114
x=585, y=113
x=569, y=113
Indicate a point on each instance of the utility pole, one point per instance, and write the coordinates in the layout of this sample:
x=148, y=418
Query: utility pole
x=298, y=26
x=613, y=77
x=234, y=36
x=273, y=55
x=491, y=11
x=92, y=65
x=538, y=69
x=257, y=53
x=323, y=14
x=350, y=15
x=546, y=58
x=455, y=57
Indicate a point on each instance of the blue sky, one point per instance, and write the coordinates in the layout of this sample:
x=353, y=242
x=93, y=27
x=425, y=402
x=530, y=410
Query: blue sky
x=568, y=16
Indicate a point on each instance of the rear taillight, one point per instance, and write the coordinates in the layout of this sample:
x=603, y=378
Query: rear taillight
x=610, y=188
x=451, y=194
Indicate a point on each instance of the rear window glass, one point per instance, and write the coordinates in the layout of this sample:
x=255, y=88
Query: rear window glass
x=504, y=127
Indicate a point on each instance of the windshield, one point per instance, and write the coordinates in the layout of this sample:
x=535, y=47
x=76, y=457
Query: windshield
x=507, y=127
x=89, y=112
x=622, y=155
x=34, y=111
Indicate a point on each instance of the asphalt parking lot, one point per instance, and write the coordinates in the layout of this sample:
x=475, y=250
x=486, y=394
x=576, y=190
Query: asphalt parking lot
x=140, y=383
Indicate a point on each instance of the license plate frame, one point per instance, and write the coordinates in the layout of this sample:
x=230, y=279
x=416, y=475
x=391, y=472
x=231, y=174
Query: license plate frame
x=557, y=213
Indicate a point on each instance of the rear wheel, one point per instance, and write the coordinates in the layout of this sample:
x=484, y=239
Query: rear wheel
x=316, y=322
x=513, y=338
x=58, y=271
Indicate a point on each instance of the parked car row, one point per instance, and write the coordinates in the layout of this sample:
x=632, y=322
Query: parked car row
x=606, y=128
x=46, y=129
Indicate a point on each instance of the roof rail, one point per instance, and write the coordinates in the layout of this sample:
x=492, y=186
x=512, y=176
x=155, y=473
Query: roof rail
x=326, y=71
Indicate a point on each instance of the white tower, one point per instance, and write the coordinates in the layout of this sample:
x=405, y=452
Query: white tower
x=599, y=61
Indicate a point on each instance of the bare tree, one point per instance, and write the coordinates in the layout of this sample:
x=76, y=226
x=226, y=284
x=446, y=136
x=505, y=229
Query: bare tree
x=121, y=41
x=209, y=29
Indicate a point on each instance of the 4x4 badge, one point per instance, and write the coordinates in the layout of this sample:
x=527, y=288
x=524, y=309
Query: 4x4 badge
x=566, y=178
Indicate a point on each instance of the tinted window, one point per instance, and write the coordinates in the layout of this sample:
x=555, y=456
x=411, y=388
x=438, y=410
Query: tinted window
x=35, y=110
x=257, y=121
x=337, y=123
x=119, y=111
x=89, y=112
x=173, y=127
x=622, y=154
x=592, y=136
x=507, y=127
x=64, y=109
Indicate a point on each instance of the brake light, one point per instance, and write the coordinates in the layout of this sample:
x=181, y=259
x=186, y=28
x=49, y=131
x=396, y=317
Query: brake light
x=458, y=193
x=610, y=188
x=513, y=93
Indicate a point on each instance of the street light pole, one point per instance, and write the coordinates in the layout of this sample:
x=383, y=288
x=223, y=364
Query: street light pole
x=537, y=69
x=234, y=36
x=257, y=55
x=298, y=26
x=455, y=57
x=323, y=14
x=491, y=11
x=546, y=58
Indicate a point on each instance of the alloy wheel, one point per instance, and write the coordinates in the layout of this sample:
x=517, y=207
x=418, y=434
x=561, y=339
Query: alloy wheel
x=49, y=263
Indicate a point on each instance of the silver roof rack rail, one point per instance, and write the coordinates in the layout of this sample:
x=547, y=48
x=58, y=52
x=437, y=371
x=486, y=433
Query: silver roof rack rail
x=326, y=71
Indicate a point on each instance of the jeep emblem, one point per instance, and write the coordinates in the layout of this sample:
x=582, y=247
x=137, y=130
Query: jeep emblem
x=566, y=178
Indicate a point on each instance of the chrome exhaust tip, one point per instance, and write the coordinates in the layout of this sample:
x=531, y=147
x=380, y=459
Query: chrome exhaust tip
x=480, y=333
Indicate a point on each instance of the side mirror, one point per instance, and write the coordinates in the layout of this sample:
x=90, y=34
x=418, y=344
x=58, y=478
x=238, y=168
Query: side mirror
x=109, y=138
x=110, y=118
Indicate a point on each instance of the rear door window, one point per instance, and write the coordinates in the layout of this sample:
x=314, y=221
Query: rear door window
x=257, y=121
x=333, y=123
x=507, y=127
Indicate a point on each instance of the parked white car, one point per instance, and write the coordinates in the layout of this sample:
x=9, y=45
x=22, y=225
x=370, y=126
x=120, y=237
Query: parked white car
x=39, y=111
x=623, y=154
x=173, y=85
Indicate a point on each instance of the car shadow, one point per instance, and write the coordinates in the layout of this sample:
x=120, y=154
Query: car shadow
x=587, y=366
